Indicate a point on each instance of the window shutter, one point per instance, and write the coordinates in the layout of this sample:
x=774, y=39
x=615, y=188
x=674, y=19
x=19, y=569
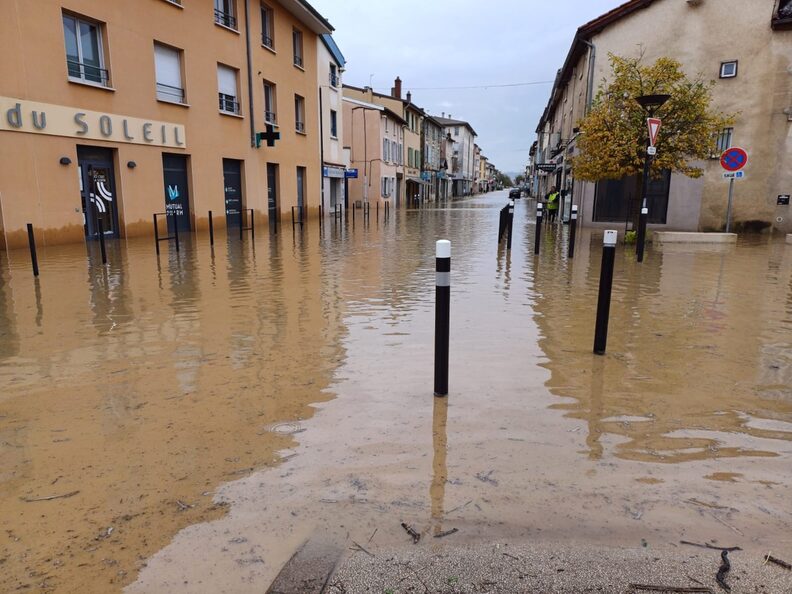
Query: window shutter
x=226, y=80
x=168, y=66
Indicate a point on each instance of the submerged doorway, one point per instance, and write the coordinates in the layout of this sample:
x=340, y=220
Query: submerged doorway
x=177, y=197
x=272, y=193
x=232, y=184
x=98, y=191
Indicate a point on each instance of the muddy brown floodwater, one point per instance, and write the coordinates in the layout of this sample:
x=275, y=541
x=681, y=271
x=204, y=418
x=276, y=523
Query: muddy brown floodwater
x=185, y=423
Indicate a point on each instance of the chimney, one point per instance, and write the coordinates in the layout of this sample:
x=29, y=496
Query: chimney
x=450, y=117
x=397, y=88
x=442, y=115
x=409, y=97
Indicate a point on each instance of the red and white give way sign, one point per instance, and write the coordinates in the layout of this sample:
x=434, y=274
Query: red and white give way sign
x=654, y=128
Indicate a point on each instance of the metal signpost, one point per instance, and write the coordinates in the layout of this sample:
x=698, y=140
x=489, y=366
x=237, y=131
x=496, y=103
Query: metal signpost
x=654, y=129
x=733, y=160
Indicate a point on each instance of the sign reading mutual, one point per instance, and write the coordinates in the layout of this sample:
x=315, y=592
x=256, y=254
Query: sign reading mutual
x=783, y=200
x=548, y=167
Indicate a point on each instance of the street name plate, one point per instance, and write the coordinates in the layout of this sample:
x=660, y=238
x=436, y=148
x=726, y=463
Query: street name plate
x=734, y=175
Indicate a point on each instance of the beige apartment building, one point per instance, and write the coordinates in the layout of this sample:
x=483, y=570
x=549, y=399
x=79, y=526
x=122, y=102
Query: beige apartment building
x=110, y=113
x=376, y=137
x=746, y=48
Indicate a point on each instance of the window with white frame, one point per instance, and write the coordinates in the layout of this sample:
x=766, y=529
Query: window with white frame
x=84, y=52
x=227, y=89
x=299, y=114
x=270, y=105
x=267, y=27
x=167, y=66
x=728, y=69
x=297, y=43
x=723, y=142
x=225, y=13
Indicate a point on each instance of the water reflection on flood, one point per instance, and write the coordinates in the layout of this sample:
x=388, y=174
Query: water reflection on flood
x=295, y=371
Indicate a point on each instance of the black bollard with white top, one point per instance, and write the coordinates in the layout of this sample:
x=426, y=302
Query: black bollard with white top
x=572, y=231
x=641, y=240
x=442, y=315
x=510, y=224
x=605, y=286
x=538, y=236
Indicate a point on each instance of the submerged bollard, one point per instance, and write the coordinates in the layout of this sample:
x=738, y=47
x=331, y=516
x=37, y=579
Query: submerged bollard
x=572, y=232
x=102, y=241
x=156, y=232
x=176, y=231
x=211, y=229
x=641, y=242
x=605, y=286
x=442, y=315
x=538, y=236
x=33, y=254
x=510, y=225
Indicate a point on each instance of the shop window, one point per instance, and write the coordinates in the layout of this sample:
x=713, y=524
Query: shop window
x=728, y=69
x=227, y=89
x=168, y=69
x=85, y=59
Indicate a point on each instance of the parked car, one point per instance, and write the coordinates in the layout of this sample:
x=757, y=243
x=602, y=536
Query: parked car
x=515, y=193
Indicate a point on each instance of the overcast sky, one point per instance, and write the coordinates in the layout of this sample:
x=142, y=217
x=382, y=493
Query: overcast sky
x=452, y=43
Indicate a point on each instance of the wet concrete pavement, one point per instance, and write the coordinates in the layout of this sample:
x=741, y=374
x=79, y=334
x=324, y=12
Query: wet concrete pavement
x=281, y=390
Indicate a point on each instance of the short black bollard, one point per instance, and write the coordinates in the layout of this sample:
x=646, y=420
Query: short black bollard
x=538, y=236
x=378, y=211
x=572, y=231
x=241, y=224
x=605, y=286
x=442, y=315
x=102, y=240
x=504, y=213
x=252, y=225
x=211, y=229
x=156, y=233
x=176, y=231
x=33, y=254
x=510, y=223
x=641, y=240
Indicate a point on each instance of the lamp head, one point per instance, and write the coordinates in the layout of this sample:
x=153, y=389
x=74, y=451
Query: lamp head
x=652, y=102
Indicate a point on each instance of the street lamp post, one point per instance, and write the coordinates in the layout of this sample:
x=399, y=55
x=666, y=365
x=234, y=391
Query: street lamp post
x=649, y=103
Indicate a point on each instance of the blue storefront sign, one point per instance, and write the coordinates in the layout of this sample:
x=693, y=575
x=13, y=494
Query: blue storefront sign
x=351, y=173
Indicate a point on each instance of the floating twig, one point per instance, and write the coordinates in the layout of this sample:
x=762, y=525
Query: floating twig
x=726, y=524
x=770, y=559
x=49, y=498
x=446, y=533
x=372, y=534
x=358, y=547
x=183, y=506
x=457, y=508
x=486, y=478
x=720, y=577
x=412, y=532
x=707, y=545
x=653, y=588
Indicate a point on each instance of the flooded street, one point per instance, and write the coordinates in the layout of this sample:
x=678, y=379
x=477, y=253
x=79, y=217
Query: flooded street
x=184, y=423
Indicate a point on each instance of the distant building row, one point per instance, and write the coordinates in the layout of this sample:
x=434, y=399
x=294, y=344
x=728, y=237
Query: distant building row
x=228, y=106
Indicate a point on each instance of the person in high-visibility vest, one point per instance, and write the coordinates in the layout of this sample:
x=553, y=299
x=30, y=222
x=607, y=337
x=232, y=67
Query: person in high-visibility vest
x=552, y=205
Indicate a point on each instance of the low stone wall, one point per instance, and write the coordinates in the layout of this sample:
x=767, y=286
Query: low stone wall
x=690, y=237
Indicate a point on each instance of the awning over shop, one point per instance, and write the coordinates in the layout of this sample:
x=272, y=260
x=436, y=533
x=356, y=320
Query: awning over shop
x=418, y=180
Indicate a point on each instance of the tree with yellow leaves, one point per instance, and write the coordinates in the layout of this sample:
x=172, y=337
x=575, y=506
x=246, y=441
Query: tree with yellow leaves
x=614, y=135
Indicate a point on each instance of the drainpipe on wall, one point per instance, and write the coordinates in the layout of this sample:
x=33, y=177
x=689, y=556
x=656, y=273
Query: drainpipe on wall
x=250, y=75
x=592, y=59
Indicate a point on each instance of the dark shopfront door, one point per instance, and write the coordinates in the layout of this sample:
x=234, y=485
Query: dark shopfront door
x=177, y=197
x=232, y=182
x=97, y=191
x=272, y=193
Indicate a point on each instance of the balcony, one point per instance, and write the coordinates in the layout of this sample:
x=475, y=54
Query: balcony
x=270, y=117
x=335, y=80
x=266, y=41
x=228, y=104
x=169, y=93
x=88, y=73
x=298, y=61
x=300, y=127
x=225, y=19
